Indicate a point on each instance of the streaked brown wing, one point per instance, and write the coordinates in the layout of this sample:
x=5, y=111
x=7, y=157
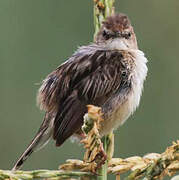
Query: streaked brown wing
x=90, y=76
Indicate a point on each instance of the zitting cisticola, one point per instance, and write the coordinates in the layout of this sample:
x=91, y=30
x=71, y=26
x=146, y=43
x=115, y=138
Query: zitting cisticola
x=108, y=73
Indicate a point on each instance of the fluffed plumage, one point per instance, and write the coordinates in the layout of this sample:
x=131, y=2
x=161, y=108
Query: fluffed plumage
x=108, y=73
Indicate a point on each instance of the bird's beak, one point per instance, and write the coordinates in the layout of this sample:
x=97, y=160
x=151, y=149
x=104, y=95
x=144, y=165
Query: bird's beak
x=119, y=34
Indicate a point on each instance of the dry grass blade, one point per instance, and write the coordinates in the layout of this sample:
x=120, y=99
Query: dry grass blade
x=94, y=154
x=166, y=164
x=152, y=165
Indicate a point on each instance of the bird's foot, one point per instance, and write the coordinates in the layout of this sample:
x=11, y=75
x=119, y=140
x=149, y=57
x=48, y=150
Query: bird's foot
x=100, y=158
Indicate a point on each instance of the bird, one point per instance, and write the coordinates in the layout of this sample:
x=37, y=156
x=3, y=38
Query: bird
x=109, y=73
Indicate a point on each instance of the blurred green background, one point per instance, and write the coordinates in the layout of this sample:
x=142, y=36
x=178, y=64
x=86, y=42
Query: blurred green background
x=37, y=35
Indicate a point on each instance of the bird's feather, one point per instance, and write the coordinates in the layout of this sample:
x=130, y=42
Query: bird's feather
x=40, y=140
x=90, y=76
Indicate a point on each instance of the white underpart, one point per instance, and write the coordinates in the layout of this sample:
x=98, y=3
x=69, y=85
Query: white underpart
x=116, y=44
x=138, y=75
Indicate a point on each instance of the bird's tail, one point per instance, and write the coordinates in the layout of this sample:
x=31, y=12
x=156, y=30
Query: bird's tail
x=40, y=140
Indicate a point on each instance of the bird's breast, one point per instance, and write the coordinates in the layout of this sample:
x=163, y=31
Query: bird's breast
x=122, y=111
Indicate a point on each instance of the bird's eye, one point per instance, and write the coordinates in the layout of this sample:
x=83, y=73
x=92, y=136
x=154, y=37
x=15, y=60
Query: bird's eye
x=127, y=35
x=106, y=35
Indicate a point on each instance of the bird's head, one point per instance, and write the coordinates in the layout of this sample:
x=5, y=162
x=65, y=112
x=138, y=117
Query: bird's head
x=117, y=33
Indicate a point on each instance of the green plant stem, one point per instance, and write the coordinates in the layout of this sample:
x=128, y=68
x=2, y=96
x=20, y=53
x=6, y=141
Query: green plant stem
x=36, y=174
x=108, y=146
x=103, y=170
x=102, y=9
